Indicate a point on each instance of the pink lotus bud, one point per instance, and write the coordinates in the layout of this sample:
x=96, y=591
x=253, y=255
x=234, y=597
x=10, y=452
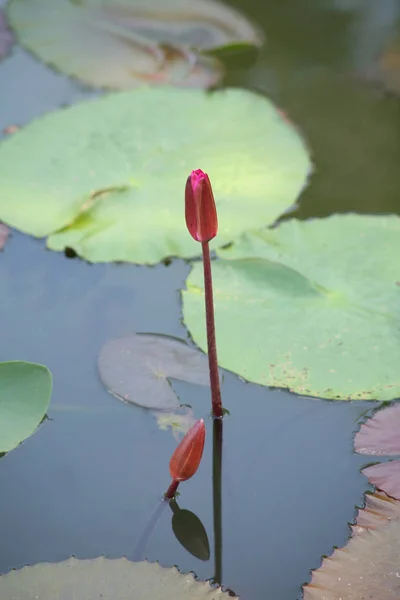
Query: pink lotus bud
x=187, y=456
x=200, y=211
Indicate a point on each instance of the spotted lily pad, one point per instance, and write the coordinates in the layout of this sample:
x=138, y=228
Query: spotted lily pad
x=124, y=43
x=25, y=390
x=310, y=306
x=379, y=436
x=137, y=369
x=107, y=177
x=368, y=566
x=117, y=579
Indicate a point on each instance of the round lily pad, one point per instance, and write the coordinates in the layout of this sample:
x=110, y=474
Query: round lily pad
x=310, y=306
x=25, y=390
x=136, y=369
x=125, y=43
x=117, y=579
x=107, y=177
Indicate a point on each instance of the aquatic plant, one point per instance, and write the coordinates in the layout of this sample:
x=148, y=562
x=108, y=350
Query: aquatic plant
x=186, y=457
x=202, y=223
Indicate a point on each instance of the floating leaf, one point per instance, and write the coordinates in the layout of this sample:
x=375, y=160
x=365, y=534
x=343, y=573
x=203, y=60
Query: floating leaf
x=109, y=175
x=25, y=390
x=4, y=233
x=310, y=306
x=379, y=509
x=6, y=37
x=136, y=369
x=366, y=568
x=379, y=436
x=124, y=43
x=117, y=579
x=386, y=477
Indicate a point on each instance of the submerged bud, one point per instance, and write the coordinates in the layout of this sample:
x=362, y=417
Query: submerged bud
x=187, y=456
x=200, y=211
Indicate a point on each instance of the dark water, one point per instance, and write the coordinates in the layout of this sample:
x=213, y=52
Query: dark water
x=89, y=480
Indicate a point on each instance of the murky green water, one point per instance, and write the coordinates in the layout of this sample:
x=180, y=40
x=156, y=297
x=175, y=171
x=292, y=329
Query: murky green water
x=88, y=482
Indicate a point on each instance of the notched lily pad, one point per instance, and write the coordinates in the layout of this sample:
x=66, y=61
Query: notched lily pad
x=124, y=43
x=310, y=305
x=378, y=511
x=25, y=390
x=137, y=369
x=368, y=566
x=379, y=436
x=6, y=36
x=117, y=579
x=106, y=177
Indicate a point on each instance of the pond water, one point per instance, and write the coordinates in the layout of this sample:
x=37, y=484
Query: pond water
x=90, y=480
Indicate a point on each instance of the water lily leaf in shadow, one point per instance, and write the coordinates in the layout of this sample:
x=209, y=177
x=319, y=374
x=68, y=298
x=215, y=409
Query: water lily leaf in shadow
x=6, y=37
x=366, y=568
x=25, y=390
x=379, y=436
x=190, y=532
x=310, y=306
x=121, y=44
x=111, y=579
x=115, y=192
x=137, y=368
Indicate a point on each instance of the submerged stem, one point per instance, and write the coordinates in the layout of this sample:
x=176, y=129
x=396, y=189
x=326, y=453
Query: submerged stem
x=211, y=343
x=217, y=498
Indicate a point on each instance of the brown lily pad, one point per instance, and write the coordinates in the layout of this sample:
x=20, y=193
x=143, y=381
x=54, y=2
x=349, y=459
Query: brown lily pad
x=379, y=436
x=378, y=511
x=367, y=568
x=386, y=477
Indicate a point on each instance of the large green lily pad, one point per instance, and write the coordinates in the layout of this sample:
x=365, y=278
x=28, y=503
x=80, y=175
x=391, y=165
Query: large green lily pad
x=107, y=177
x=25, y=390
x=310, y=306
x=120, y=44
x=104, y=579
